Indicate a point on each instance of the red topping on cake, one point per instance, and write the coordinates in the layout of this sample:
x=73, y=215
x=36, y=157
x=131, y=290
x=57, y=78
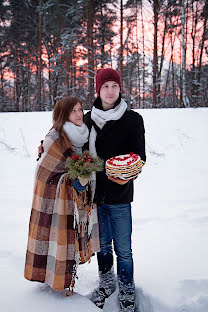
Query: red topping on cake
x=124, y=166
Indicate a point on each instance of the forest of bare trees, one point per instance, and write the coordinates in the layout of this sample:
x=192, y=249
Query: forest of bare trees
x=51, y=48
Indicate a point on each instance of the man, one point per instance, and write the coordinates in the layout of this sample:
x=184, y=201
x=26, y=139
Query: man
x=114, y=130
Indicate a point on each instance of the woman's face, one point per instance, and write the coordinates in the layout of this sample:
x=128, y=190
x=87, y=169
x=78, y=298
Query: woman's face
x=76, y=115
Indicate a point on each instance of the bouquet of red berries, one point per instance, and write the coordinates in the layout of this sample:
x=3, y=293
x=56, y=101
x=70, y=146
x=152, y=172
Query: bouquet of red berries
x=83, y=165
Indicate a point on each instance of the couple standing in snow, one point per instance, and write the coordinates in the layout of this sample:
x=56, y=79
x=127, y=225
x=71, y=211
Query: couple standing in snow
x=113, y=130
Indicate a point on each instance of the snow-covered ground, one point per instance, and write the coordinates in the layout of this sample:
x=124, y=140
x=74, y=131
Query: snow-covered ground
x=170, y=217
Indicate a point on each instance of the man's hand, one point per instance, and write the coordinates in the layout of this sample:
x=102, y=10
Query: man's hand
x=40, y=150
x=117, y=180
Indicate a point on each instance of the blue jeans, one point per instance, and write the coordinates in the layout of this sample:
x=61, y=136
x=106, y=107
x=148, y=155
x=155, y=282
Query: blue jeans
x=115, y=223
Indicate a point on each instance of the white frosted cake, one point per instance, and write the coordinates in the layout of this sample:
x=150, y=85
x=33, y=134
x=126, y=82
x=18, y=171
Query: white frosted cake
x=124, y=167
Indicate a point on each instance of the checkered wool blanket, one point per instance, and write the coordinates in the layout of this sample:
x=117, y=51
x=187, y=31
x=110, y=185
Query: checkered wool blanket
x=63, y=229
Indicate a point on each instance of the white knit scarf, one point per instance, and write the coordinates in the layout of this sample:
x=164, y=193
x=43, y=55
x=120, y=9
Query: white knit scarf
x=78, y=135
x=101, y=117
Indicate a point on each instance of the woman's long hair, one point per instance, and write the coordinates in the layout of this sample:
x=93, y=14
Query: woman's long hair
x=62, y=110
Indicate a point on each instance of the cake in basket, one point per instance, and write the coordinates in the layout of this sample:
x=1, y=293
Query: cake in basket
x=124, y=167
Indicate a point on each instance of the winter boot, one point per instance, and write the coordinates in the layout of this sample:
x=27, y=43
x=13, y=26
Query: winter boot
x=126, y=297
x=107, y=285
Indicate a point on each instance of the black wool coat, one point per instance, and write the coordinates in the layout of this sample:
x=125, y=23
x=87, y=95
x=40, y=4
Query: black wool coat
x=118, y=137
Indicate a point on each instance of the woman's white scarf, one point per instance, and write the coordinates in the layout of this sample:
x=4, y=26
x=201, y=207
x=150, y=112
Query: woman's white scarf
x=101, y=117
x=78, y=135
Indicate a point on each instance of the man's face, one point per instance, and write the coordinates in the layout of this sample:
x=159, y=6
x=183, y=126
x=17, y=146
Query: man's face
x=109, y=93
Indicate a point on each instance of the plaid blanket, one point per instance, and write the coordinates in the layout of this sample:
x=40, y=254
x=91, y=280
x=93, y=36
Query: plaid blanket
x=63, y=229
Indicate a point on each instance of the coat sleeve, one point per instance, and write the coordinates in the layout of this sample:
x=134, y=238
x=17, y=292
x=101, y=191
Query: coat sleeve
x=88, y=120
x=137, y=136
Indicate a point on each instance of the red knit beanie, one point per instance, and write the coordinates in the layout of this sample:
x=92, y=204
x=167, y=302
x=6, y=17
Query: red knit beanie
x=106, y=74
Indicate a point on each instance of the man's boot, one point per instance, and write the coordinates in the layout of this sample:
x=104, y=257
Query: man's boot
x=126, y=297
x=107, y=285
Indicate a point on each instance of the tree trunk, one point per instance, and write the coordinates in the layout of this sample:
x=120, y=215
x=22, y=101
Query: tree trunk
x=90, y=46
x=17, y=85
x=162, y=55
x=202, y=44
x=143, y=57
x=1, y=89
x=38, y=108
x=173, y=71
x=102, y=46
x=184, y=95
x=155, y=53
x=121, y=40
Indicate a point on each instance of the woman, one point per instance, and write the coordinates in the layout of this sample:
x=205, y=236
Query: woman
x=63, y=229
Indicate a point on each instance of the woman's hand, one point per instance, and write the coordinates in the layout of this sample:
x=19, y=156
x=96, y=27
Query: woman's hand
x=118, y=181
x=40, y=149
x=83, y=181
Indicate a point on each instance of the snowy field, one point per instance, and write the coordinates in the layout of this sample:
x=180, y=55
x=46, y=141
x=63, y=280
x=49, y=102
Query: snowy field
x=170, y=217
